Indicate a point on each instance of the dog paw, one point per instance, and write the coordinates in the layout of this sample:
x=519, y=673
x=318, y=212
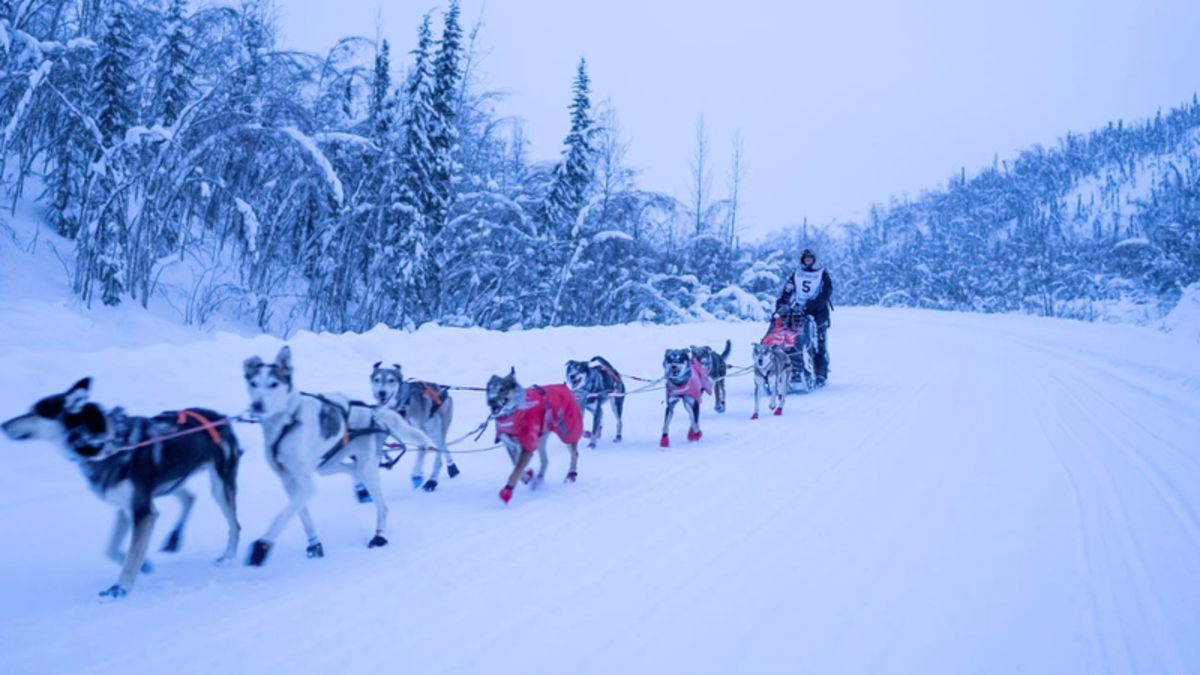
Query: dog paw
x=147, y=567
x=754, y=416
x=258, y=553
x=116, y=592
x=665, y=442
x=452, y=469
x=527, y=476
x=315, y=551
x=617, y=439
x=695, y=435
x=571, y=477
x=778, y=411
x=377, y=542
x=720, y=409
x=223, y=561
x=173, y=542
x=506, y=494
x=592, y=445
x=363, y=495
x=417, y=480
x=430, y=485
x=587, y=434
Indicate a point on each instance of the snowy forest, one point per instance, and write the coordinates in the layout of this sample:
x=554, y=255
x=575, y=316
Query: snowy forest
x=193, y=160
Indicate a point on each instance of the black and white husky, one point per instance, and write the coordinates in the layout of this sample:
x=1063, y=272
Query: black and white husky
x=717, y=365
x=772, y=375
x=322, y=433
x=129, y=461
x=594, y=383
x=685, y=380
x=426, y=406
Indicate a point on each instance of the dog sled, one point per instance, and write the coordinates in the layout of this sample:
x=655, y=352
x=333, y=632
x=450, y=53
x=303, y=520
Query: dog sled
x=796, y=334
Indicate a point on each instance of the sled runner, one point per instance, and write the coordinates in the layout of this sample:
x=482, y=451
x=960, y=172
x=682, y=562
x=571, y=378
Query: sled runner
x=796, y=333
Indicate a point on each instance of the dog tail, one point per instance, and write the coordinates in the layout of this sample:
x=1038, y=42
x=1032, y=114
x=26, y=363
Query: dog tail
x=604, y=362
x=728, y=350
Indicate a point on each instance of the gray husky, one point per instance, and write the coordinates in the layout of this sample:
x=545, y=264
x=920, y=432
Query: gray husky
x=129, y=461
x=426, y=406
x=325, y=433
x=772, y=375
x=594, y=383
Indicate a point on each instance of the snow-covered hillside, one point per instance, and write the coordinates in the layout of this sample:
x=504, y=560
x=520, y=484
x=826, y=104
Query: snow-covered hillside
x=970, y=494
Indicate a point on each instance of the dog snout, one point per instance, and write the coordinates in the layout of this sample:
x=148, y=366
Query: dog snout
x=257, y=407
x=381, y=397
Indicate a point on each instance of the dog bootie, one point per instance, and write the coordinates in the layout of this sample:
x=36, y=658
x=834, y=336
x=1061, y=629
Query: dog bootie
x=364, y=496
x=430, y=485
x=506, y=494
x=665, y=442
x=377, y=541
x=258, y=553
x=417, y=480
x=315, y=551
x=452, y=469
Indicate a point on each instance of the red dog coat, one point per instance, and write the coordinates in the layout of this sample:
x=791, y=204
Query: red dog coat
x=550, y=408
x=698, y=384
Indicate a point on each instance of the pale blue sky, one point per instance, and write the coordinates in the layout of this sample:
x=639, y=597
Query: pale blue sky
x=840, y=103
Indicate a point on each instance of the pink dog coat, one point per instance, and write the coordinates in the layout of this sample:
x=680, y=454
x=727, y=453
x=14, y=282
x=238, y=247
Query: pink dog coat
x=696, y=385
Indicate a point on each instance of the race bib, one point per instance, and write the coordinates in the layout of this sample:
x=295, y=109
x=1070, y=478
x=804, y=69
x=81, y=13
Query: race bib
x=808, y=285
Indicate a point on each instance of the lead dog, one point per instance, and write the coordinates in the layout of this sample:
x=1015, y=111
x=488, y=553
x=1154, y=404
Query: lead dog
x=716, y=364
x=525, y=419
x=130, y=478
x=595, y=382
x=687, y=381
x=426, y=406
x=772, y=374
x=322, y=433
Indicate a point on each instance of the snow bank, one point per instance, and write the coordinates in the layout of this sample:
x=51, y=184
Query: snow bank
x=1184, y=320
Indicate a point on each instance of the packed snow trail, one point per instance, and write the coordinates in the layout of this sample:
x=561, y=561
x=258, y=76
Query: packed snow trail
x=970, y=494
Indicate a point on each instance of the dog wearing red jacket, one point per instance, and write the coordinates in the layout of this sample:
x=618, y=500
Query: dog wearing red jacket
x=525, y=418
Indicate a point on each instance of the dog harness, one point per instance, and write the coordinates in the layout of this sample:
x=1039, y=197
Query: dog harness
x=550, y=408
x=698, y=384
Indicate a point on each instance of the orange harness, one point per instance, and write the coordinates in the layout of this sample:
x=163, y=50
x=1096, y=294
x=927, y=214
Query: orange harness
x=205, y=423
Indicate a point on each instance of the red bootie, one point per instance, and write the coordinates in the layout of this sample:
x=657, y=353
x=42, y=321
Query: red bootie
x=779, y=411
x=506, y=494
x=665, y=442
x=695, y=435
x=754, y=416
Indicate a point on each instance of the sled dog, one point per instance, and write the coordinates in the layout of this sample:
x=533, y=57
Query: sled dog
x=686, y=380
x=716, y=365
x=525, y=418
x=772, y=376
x=129, y=461
x=426, y=406
x=596, y=382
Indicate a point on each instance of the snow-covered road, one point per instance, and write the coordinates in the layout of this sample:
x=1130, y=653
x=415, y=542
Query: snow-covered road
x=970, y=494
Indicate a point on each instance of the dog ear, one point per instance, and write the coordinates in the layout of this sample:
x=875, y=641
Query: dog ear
x=399, y=370
x=376, y=366
x=512, y=372
x=251, y=366
x=283, y=361
x=77, y=395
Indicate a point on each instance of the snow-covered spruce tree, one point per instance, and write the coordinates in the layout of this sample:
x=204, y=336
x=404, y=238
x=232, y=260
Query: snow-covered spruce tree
x=405, y=240
x=573, y=176
x=173, y=87
x=101, y=256
x=443, y=140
